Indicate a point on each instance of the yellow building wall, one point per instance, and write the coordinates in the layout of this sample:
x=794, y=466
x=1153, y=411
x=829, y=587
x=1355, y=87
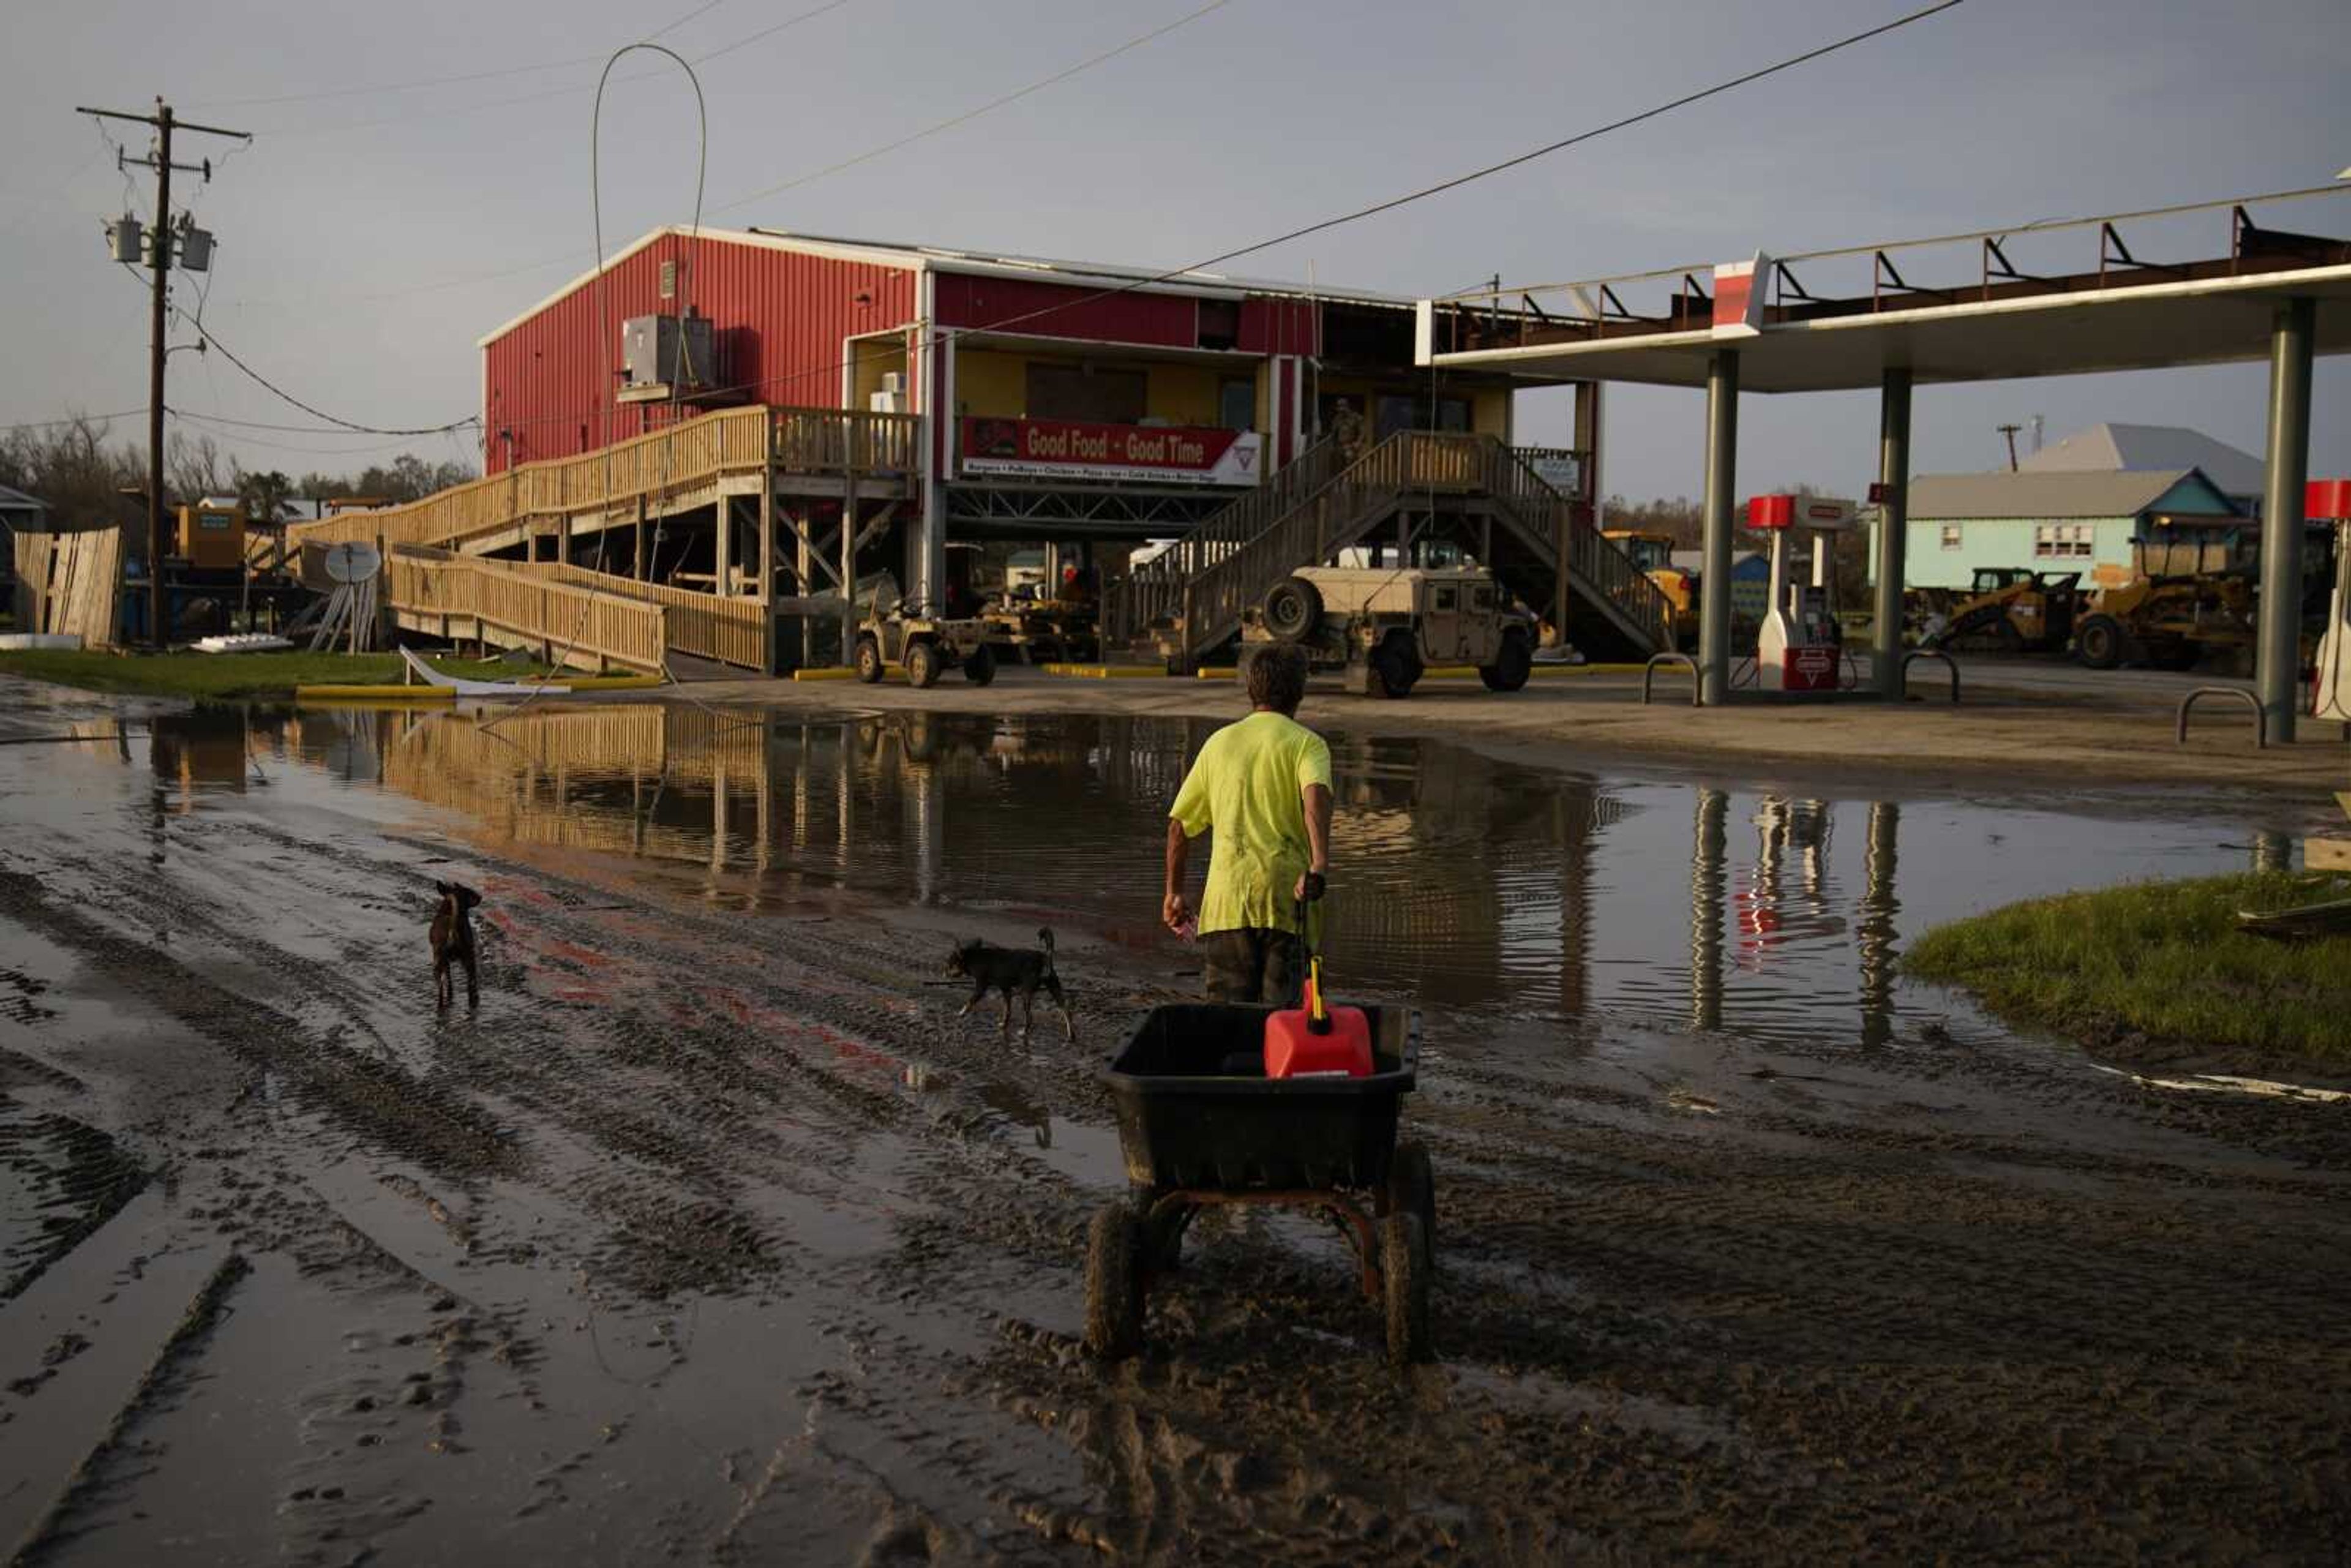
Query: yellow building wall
x=870, y=360
x=1490, y=413
x=1184, y=394
x=1490, y=407
x=990, y=382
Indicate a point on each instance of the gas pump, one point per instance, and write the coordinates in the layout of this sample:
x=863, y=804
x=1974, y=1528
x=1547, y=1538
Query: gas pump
x=1800, y=646
x=2331, y=697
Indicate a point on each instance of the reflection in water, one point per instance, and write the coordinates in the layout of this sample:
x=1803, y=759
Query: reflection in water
x=1878, y=908
x=2272, y=851
x=1471, y=886
x=1705, y=908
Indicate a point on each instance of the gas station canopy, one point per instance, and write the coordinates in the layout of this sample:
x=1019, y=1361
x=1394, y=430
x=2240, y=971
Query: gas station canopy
x=1995, y=320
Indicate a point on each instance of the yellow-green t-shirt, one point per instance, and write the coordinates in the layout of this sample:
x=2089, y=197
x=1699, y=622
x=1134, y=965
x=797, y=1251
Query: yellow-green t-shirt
x=1246, y=786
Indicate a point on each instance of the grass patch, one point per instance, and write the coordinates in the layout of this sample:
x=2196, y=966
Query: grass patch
x=2159, y=967
x=229, y=676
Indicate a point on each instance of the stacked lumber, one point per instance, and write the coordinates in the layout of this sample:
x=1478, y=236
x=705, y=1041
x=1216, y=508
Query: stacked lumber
x=67, y=584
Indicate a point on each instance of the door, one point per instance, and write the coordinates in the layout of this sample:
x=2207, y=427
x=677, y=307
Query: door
x=1440, y=622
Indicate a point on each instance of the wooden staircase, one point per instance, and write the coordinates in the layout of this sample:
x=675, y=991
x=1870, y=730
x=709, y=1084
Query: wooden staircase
x=1187, y=602
x=445, y=575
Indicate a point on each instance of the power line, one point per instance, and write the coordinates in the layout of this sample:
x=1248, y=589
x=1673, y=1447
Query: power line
x=319, y=94
x=282, y=396
x=72, y=419
x=1180, y=273
x=307, y=429
x=972, y=114
x=1193, y=269
x=513, y=100
x=1565, y=142
x=249, y=440
x=469, y=279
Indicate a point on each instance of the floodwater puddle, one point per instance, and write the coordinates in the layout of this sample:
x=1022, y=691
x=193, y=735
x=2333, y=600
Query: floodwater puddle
x=1516, y=899
x=716, y=1230
x=1505, y=893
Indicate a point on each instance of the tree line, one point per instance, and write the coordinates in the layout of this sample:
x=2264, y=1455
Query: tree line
x=87, y=479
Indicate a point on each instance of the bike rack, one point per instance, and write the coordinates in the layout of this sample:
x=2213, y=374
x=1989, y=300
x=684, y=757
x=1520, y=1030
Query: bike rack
x=1684, y=660
x=2261, y=714
x=1948, y=661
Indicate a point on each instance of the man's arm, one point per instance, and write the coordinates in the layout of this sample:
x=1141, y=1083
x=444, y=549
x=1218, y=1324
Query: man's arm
x=1316, y=798
x=1173, y=910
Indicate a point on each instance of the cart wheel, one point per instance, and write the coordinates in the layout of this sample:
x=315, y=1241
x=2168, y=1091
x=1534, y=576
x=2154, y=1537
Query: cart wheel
x=1412, y=1189
x=1404, y=1270
x=868, y=660
x=979, y=665
x=1114, y=1254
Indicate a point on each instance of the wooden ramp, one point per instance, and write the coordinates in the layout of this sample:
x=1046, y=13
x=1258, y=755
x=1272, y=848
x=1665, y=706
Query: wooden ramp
x=753, y=451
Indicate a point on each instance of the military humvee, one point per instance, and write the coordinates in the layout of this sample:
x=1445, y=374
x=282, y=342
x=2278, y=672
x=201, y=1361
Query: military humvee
x=1383, y=627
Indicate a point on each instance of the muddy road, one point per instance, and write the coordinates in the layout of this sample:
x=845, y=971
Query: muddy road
x=714, y=1235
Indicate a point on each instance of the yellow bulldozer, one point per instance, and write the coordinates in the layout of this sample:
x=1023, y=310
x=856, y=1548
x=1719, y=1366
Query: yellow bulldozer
x=2189, y=595
x=2015, y=610
x=1654, y=554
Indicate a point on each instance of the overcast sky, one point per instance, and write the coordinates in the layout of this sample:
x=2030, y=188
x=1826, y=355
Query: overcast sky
x=375, y=227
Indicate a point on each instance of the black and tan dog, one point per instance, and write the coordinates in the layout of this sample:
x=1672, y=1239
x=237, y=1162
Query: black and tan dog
x=453, y=943
x=1009, y=969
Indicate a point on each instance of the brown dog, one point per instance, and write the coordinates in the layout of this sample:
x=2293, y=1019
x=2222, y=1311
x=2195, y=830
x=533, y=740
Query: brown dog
x=453, y=943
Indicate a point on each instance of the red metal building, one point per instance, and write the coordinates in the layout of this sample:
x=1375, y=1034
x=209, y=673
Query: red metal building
x=1060, y=400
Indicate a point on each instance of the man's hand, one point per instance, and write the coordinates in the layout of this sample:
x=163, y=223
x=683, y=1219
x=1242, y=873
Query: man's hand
x=1311, y=886
x=1174, y=912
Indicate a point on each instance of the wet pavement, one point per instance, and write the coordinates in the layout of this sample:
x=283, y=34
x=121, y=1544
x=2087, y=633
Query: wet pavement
x=715, y=1237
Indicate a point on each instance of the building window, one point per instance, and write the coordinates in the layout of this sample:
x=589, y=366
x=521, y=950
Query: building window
x=1950, y=535
x=2064, y=542
x=1220, y=323
x=1237, y=405
x=1087, y=392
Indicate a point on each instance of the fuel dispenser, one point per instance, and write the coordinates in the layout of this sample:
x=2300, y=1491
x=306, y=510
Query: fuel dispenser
x=1800, y=646
x=2330, y=500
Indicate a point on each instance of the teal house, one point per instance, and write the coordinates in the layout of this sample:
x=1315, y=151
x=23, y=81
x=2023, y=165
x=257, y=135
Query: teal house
x=2080, y=521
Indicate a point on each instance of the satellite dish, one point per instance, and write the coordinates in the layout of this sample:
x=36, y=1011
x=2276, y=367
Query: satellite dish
x=352, y=563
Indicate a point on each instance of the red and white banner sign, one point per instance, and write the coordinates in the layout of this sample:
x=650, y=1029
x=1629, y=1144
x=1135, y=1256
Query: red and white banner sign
x=1739, y=294
x=1064, y=449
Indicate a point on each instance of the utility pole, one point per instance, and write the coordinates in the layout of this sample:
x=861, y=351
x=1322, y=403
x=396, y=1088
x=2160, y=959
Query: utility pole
x=160, y=242
x=2010, y=431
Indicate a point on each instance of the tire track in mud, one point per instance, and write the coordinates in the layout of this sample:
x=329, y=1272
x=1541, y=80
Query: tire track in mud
x=371, y=1096
x=2041, y=1318
x=1694, y=1266
x=167, y=1372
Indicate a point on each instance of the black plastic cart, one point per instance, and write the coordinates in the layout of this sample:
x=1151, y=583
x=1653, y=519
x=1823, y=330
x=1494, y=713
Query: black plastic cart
x=1194, y=1135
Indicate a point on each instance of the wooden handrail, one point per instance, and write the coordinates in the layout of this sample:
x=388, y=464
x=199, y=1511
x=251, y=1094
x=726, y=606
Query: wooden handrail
x=725, y=629
x=1320, y=505
x=570, y=619
x=730, y=441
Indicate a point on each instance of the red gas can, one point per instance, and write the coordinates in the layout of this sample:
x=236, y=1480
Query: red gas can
x=1316, y=1041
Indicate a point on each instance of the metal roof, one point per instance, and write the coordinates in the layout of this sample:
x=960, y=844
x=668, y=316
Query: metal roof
x=1951, y=308
x=16, y=501
x=946, y=258
x=940, y=259
x=2061, y=493
x=2113, y=448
